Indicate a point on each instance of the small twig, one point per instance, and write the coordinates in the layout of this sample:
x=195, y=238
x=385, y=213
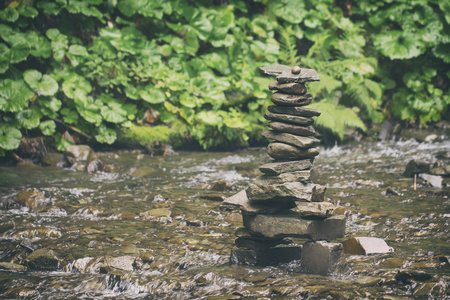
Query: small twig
x=415, y=181
x=73, y=128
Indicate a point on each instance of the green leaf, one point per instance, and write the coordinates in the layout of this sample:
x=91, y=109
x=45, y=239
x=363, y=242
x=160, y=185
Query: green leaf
x=292, y=11
x=49, y=106
x=39, y=45
x=61, y=143
x=20, y=49
x=4, y=58
x=105, y=135
x=42, y=85
x=113, y=111
x=28, y=11
x=29, y=118
x=48, y=7
x=399, y=44
x=47, y=127
x=152, y=95
x=9, y=15
x=60, y=43
x=69, y=116
x=14, y=95
x=76, y=87
x=77, y=50
x=9, y=137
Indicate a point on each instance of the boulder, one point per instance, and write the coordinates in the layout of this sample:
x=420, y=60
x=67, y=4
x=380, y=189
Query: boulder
x=43, y=260
x=81, y=154
x=321, y=257
x=277, y=168
x=125, y=263
x=299, y=120
x=441, y=171
x=282, y=99
x=433, y=180
x=52, y=159
x=319, y=210
x=415, y=167
x=289, y=152
x=33, y=199
x=241, y=201
x=289, y=88
x=366, y=246
x=257, y=243
x=304, y=175
x=265, y=257
x=293, y=224
x=299, y=141
x=291, y=128
x=294, y=111
x=285, y=192
x=405, y=276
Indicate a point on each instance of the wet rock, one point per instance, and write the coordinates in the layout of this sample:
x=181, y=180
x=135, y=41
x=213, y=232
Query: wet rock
x=38, y=233
x=220, y=186
x=52, y=159
x=290, y=111
x=291, y=128
x=289, y=88
x=284, y=177
x=129, y=249
x=393, y=263
x=368, y=280
x=257, y=243
x=144, y=171
x=291, y=119
x=43, y=260
x=277, y=168
x=126, y=215
x=433, y=180
x=405, y=276
x=441, y=171
x=392, y=192
x=285, y=192
x=213, y=197
x=415, y=167
x=429, y=290
x=85, y=265
x=157, y=212
x=366, y=246
x=291, y=100
x=33, y=199
x=418, y=134
x=79, y=154
x=299, y=141
x=12, y=267
x=288, y=152
x=386, y=131
x=320, y=210
x=265, y=257
x=240, y=200
x=21, y=293
x=147, y=257
x=125, y=263
x=321, y=257
x=293, y=224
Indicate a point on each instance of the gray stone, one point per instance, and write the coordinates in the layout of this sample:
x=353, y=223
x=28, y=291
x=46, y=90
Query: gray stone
x=285, y=74
x=284, y=192
x=266, y=257
x=290, y=88
x=79, y=154
x=33, y=199
x=433, y=180
x=52, y=159
x=43, y=260
x=277, y=168
x=320, y=210
x=321, y=257
x=284, y=177
x=257, y=242
x=289, y=119
x=299, y=141
x=12, y=266
x=441, y=171
x=125, y=263
x=415, y=167
x=294, y=111
x=241, y=201
x=291, y=128
x=406, y=276
x=293, y=224
x=291, y=100
x=274, y=70
x=366, y=246
x=289, y=152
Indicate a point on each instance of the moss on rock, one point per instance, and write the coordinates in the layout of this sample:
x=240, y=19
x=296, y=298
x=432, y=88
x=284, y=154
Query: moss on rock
x=174, y=135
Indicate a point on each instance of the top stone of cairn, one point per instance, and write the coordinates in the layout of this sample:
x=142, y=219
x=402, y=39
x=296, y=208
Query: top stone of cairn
x=285, y=74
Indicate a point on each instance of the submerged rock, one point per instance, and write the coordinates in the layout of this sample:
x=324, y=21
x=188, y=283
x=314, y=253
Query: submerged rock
x=265, y=257
x=321, y=257
x=43, y=260
x=366, y=246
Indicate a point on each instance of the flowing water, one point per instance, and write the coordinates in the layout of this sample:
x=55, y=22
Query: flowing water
x=153, y=228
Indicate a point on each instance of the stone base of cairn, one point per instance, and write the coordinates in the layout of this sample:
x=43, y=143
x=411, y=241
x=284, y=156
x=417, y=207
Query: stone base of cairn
x=283, y=203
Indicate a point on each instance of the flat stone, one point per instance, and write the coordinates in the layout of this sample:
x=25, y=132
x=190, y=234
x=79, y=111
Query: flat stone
x=277, y=168
x=265, y=257
x=284, y=192
x=284, y=73
x=121, y=263
x=274, y=70
x=321, y=257
x=299, y=141
x=290, y=88
x=366, y=246
x=433, y=180
x=12, y=266
x=284, y=177
x=291, y=128
x=241, y=201
x=291, y=100
x=257, y=242
x=294, y=110
x=291, y=119
x=43, y=260
x=293, y=224
x=320, y=210
x=289, y=152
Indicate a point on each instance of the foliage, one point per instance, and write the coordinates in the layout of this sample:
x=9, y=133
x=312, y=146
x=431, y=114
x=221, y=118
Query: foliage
x=96, y=66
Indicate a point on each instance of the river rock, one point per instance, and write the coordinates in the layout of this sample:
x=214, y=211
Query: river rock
x=299, y=120
x=125, y=263
x=79, y=154
x=405, y=276
x=52, y=159
x=240, y=200
x=319, y=210
x=277, y=168
x=299, y=141
x=433, y=180
x=294, y=111
x=285, y=192
x=415, y=167
x=366, y=246
x=293, y=224
x=289, y=152
x=290, y=128
x=289, y=88
x=321, y=257
x=291, y=100
x=284, y=177
x=265, y=257
x=441, y=171
x=285, y=73
x=257, y=243
x=33, y=199
x=43, y=260
x=12, y=267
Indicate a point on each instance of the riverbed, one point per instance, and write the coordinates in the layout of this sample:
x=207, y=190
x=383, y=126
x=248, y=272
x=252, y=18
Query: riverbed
x=153, y=228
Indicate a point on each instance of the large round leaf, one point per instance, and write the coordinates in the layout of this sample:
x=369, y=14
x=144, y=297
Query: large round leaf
x=399, y=45
x=4, y=58
x=29, y=118
x=152, y=95
x=9, y=137
x=48, y=127
x=14, y=94
x=42, y=85
x=76, y=86
x=105, y=135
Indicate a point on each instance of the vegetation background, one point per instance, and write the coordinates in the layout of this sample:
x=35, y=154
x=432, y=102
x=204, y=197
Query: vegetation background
x=135, y=71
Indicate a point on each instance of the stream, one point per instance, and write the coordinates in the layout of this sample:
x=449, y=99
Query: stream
x=153, y=228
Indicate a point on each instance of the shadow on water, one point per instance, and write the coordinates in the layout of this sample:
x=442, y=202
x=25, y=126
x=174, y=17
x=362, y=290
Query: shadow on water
x=153, y=228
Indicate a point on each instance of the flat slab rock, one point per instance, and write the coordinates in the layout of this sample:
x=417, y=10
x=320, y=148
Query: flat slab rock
x=277, y=168
x=299, y=141
x=284, y=74
x=284, y=151
x=291, y=100
x=321, y=257
x=293, y=224
x=294, y=111
x=241, y=201
x=290, y=88
x=257, y=243
x=366, y=246
x=265, y=257
x=285, y=192
x=284, y=177
x=320, y=210
x=292, y=128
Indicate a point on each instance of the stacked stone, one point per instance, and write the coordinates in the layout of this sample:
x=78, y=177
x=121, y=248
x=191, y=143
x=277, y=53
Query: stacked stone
x=283, y=202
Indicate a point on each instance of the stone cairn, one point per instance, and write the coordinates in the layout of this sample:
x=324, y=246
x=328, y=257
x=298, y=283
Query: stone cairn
x=283, y=203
